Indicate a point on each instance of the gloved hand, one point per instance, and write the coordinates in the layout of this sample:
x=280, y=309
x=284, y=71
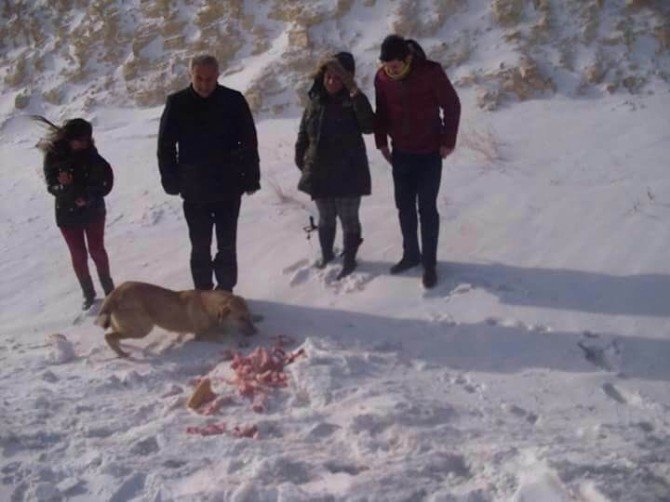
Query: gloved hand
x=347, y=78
x=170, y=185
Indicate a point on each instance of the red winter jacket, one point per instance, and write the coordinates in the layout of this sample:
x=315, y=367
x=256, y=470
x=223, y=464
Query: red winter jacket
x=408, y=110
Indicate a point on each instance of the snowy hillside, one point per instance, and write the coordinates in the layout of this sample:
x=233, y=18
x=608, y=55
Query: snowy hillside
x=537, y=369
x=58, y=57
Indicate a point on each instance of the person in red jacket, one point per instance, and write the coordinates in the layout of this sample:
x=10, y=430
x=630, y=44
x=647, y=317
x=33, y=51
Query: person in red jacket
x=418, y=108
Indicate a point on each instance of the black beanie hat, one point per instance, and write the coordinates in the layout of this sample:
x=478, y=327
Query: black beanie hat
x=394, y=47
x=76, y=129
x=346, y=59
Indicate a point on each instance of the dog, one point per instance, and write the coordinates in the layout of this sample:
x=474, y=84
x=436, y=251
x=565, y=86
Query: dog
x=134, y=308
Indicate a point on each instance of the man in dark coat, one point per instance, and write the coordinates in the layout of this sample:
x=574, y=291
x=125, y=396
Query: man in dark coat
x=208, y=153
x=419, y=109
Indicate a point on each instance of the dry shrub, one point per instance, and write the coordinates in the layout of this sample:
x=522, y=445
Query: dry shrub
x=155, y=8
x=254, y=99
x=453, y=54
x=594, y=74
x=566, y=54
x=488, y=99
x=222, y=42
x=36, y=33
x=130, y=68
x=638, y=4
x=261, y=40
x=412, y=21
x=53, y=96
x=143, y=38
x=485, y=144
x=298, y=37
x=308, y=13
x=589, y=13
x=172, y=28
x=209, y=14
x=22, y=100
x=634, y=83
x=466, y=80
x=149, y=97
x=526, y=80
x=662, y=34
x=174, y=43
x=18, y=72
x=38, y=62
x=540, y=32
x=507, y=12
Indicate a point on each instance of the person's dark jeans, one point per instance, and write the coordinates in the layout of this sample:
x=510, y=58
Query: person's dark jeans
x=201, y=217
x=416, y=180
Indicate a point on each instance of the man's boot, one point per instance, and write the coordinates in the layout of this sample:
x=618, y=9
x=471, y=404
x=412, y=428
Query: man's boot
x=107, y=284
x=326, y=240
x=88, y=290
x=351, y=243
x=405, y=263
x=429, y=278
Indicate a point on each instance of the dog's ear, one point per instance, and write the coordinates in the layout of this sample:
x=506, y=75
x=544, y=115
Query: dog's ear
x=224, y=311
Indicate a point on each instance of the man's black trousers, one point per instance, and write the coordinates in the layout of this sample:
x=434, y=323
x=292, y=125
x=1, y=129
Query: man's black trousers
x=221, y=217
x=416, y=180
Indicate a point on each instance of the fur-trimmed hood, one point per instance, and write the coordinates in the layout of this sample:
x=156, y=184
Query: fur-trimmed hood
x=346, y=59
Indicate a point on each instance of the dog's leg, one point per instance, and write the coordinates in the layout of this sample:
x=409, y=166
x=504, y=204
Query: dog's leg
x=246, y=326
x=112, y=340
x=140, y=329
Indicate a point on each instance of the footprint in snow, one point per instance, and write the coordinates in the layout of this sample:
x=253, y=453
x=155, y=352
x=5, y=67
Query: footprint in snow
x=300, y=277
x=132, y=486
x=460, y=289
x=520, y=412
x=295, y=266
x=603, y=355
x=302, y=271
x=612, y=392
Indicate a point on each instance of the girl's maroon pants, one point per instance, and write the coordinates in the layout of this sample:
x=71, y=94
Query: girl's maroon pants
x=77, y=239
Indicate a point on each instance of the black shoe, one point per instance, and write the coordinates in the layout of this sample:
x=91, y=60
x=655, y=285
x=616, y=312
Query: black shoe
x=405, y=264
x=88, y=290
x=429, y=278
x=107, y=284
x=88, y=302
x=326, y=258
x=347, y=268
x=326, y=240
x=352, y=242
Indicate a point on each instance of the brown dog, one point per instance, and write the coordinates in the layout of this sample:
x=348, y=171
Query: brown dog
x=133, y=308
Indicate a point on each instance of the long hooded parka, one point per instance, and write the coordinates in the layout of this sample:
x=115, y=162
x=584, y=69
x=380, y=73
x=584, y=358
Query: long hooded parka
x=330, y=150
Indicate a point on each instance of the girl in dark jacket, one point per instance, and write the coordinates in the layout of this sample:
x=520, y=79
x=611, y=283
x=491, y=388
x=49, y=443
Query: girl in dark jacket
x=79, y=178
x=331, y=154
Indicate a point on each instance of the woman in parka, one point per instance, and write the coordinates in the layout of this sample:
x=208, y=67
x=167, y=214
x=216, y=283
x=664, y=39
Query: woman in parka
x=80, y=178
x=330, y=152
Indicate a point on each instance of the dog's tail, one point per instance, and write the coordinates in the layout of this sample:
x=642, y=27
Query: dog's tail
x=105, y=315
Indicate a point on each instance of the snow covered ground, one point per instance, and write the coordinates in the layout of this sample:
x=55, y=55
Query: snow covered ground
x=537, y=370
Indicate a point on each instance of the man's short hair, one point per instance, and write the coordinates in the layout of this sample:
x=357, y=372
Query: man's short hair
x=394, y=47
x=204, y=60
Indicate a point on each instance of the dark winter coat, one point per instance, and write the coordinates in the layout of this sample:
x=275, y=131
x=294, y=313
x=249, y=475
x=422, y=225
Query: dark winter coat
x=330, y=150
x=92, y=179
x=207, y=147
x=408, y=110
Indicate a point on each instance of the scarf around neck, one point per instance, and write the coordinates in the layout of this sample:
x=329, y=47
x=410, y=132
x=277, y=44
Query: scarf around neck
x=406, y=68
